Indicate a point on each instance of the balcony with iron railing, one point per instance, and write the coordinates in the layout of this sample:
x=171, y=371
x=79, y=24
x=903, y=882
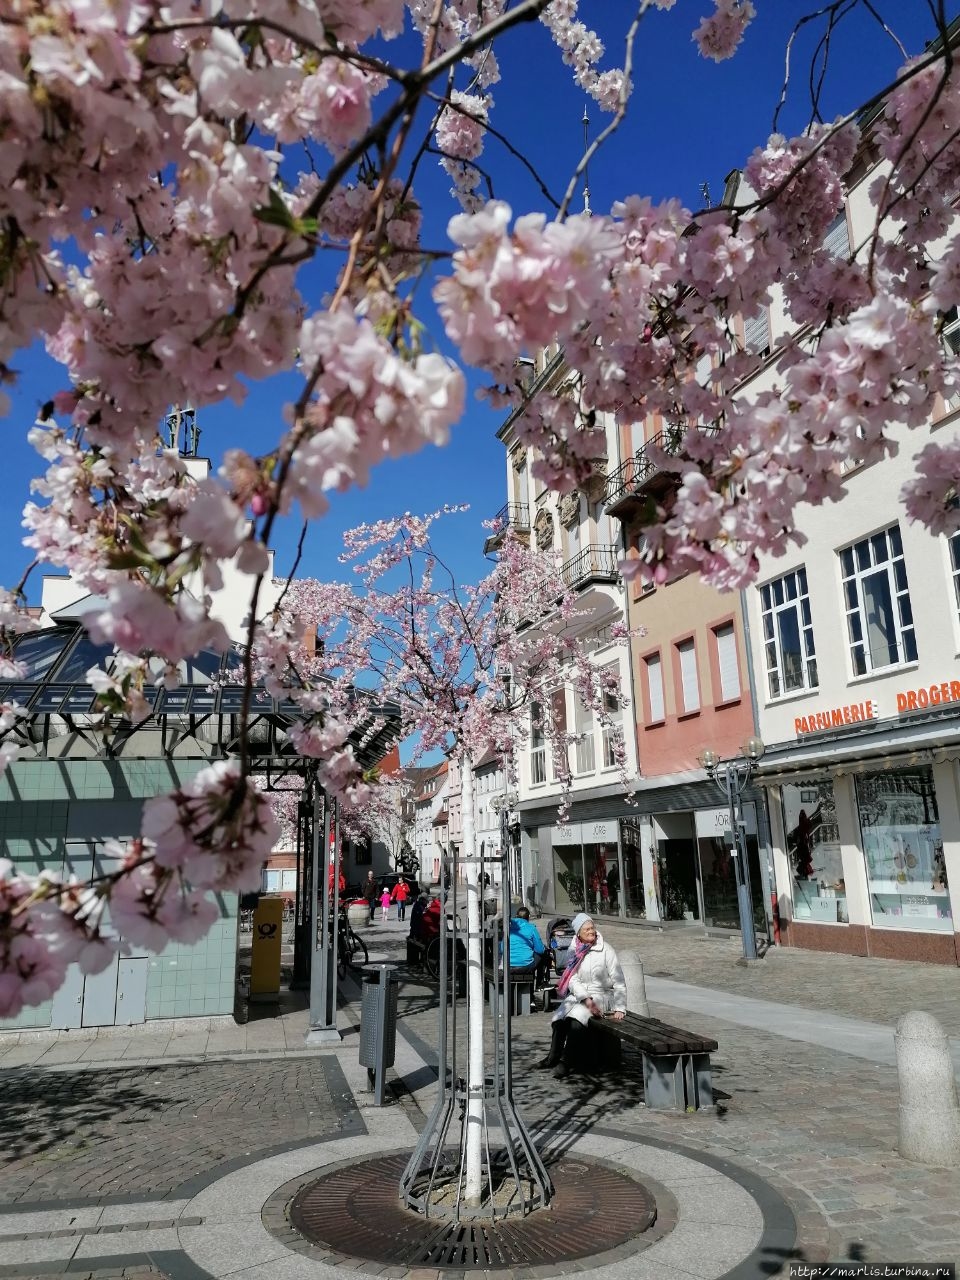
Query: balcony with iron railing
x=594, y=563
x=641, y=476
x=513, y=517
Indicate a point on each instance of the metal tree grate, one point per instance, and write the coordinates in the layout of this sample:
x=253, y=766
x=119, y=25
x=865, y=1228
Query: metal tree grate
x=355, y=1211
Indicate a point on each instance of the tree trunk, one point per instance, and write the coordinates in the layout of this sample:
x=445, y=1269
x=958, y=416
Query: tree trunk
x=473, y=1173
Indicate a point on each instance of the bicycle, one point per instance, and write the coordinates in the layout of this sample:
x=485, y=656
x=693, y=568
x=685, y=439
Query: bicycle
x=350, y=946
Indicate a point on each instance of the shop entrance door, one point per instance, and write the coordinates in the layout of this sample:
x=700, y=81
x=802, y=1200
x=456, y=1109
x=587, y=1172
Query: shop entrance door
x=677, y=888
x=718, y=877
x=678, y=880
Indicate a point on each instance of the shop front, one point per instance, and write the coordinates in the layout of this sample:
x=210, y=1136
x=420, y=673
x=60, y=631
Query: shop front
x=865, y=853
x=658, y=863
x=695, y=874
x=589, y=871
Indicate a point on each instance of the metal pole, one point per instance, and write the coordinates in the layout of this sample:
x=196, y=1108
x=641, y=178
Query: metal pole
x=323, y=1021
x=734, y=786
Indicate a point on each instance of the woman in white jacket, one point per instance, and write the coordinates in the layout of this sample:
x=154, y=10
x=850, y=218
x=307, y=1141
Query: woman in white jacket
x=591, y=985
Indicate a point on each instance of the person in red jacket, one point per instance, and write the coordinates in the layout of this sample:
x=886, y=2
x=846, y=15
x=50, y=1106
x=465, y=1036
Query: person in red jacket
x=401, y=892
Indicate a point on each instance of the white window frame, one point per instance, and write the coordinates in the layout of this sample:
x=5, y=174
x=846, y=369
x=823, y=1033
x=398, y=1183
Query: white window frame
x=585, y=755
x=538, y=747
x=953, y=551
x=795, y=595
x=906, y=641
x=728, y=661
x=654, y=662
x=689, y=676
x=950, y=337
x=613, y=731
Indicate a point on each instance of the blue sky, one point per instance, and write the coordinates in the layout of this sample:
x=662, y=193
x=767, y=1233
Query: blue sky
x=690, y=123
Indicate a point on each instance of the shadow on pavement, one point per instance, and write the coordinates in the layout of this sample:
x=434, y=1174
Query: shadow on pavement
x=66, y=1111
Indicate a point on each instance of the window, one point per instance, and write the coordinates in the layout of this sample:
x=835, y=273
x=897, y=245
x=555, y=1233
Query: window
x=538, y=746
x=288, y=879
x=270, y=880
x=950, y=331
x=612, y=732
x=756, y=333
x=837, y=239
x=727, y=661
x=955, y=565
x=584, y=751
x=788, y=634
x=558, y=710
x=655, y=687
x=689, y=681
x=903, y=848
x=950, y=337
x=877, y=601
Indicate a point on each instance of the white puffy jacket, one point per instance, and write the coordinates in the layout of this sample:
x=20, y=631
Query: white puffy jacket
x=599, y=977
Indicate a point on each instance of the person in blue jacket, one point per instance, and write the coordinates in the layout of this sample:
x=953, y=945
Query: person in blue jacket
x=527, y=952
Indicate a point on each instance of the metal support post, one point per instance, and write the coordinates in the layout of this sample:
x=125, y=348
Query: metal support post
x=734, y=787
x=323, y=994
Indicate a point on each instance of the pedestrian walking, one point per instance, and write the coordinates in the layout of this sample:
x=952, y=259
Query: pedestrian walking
x=370, y=893
x=401, y=892
x=385, y=904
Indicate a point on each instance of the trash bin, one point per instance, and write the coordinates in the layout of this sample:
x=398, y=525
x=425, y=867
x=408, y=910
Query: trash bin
x=378, y=1025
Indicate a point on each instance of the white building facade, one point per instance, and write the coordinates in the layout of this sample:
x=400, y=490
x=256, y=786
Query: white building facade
x=855, y=643
x=562, y=868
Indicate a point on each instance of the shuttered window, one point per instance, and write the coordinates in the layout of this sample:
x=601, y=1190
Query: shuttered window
x=655, y=687
x=689, y=683
x=756, y=333
x=837, y=239
x=727, y=660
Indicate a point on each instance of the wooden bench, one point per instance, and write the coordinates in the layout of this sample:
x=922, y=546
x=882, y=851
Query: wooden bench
x=676, y=1064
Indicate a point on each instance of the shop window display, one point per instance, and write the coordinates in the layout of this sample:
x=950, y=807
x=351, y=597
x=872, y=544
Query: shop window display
x=903, y=848
x=813, y=846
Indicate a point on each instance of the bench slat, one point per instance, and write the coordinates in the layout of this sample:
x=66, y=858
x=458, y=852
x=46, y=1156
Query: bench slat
x=653, y=1036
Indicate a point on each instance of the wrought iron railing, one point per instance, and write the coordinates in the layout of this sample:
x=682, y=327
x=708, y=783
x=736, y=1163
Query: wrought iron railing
x=513, y=515
x=594, y=561
x=641, y=467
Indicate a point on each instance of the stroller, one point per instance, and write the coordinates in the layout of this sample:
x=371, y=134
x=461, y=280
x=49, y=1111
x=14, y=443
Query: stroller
x=560, y=940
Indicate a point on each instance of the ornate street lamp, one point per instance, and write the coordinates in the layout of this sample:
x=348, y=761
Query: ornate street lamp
x=733, y=777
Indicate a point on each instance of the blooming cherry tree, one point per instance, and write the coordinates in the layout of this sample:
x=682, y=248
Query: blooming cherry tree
x=171, y=175
x=466, y=668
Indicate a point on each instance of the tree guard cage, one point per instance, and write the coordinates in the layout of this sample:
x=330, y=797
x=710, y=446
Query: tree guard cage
x=514, y=1180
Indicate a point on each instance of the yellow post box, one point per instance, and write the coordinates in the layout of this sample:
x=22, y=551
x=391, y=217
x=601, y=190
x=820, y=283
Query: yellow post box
x=265, y=957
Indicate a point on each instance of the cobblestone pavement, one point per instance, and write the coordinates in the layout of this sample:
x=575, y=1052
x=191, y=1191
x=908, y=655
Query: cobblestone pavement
x=877, y=990
x=91, y=1134
x=819, y=1126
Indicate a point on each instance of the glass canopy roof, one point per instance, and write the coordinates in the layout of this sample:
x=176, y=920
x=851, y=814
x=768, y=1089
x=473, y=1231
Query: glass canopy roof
x=57, y=660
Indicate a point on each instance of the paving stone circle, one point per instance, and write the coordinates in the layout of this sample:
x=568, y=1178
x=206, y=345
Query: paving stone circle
x=353, y=1211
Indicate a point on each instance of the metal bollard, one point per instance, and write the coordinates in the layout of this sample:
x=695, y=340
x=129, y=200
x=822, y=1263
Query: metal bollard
x=378, y=1025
